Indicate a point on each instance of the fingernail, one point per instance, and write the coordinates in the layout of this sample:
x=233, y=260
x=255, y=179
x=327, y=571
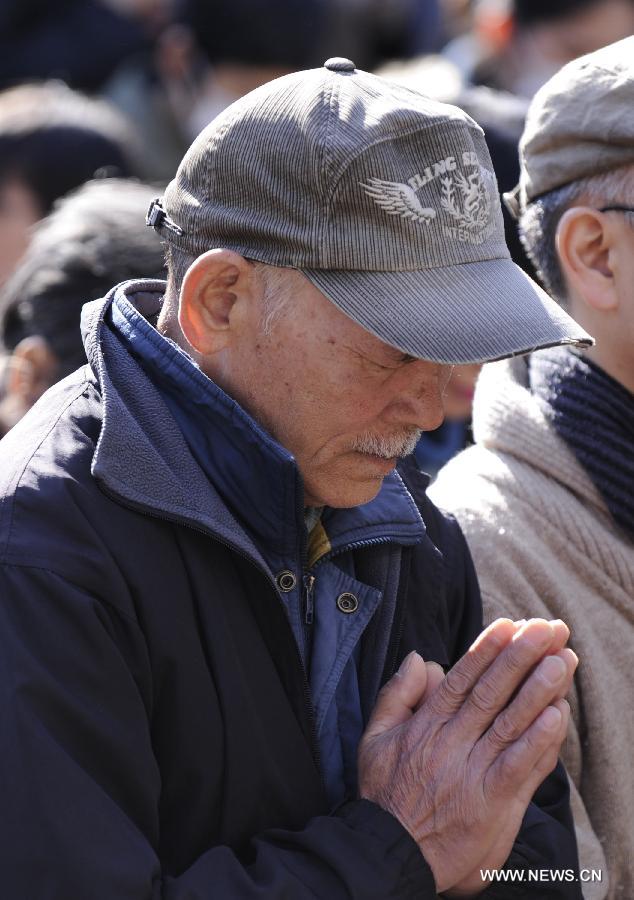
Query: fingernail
x=559, y=623
x=553, y=669
x=406, y=665
x=437, y=666
x=538, y=637
x=551, y=718
x=520, y=622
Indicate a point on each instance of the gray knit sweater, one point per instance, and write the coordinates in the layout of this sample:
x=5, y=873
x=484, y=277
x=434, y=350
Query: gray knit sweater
x=545, y=545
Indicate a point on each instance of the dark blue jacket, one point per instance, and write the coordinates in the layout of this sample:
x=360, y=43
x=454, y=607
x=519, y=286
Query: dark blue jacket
x=156, y=730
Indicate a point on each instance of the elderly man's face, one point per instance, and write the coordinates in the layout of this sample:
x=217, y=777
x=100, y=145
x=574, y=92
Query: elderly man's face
x=343, y=402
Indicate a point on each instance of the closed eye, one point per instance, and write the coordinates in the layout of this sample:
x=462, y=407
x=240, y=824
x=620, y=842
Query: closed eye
x=400, y=360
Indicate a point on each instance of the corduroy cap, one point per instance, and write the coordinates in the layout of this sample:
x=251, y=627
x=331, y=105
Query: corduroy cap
x=386, y=201
x=580, y=123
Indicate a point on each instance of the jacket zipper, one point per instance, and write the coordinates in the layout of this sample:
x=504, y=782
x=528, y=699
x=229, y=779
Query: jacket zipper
x=309, y=599
x=355, y=545
x=308, y=580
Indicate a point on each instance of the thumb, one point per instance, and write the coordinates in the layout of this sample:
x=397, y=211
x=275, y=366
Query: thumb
x=435, y=674
x=399, y=698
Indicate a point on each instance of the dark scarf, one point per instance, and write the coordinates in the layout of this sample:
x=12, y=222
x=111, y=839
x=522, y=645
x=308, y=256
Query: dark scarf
x=594, y=415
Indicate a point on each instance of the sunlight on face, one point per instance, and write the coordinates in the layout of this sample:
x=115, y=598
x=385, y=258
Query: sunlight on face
x=343, y=402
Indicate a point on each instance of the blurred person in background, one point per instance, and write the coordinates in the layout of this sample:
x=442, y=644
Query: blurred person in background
x=371, y=31
x=517, y=45
x=78, y=41
x=152, y=15
x=92, y=240
x=456, y=16
x=52, y=139
x=546, y=495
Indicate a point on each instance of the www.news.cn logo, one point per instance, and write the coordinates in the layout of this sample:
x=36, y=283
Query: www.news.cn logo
x=541, y=875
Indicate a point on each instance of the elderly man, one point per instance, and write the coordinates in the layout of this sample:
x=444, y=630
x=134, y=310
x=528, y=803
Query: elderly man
x=210, y=567
x=546, y=495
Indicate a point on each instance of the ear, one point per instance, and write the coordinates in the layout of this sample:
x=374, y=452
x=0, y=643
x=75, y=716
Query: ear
x=586, y=246
x=31, y=369
x=214, y=299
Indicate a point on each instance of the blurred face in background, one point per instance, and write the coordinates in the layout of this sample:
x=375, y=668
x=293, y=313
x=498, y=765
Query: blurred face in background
x=458, y=396
x=25, y=373
x=19, y=211
x=525, y=54
x=589, y=29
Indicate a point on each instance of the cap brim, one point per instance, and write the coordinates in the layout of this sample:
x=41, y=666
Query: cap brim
x=470, y=313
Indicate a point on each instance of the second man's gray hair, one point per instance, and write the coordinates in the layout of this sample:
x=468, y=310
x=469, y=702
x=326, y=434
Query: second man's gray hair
x=539, y=221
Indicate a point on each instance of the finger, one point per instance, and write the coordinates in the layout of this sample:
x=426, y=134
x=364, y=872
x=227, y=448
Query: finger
x=561, y=633
x=543, y=687
x=398, y=699
x=516, y=772
x=548, y=760
x=492, y=691
x=572, y=661
x=435, y=675
x=457, y=684
x=560, y=637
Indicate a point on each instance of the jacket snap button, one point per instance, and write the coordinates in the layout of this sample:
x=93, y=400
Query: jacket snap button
x=286, y=581
x=347, y=603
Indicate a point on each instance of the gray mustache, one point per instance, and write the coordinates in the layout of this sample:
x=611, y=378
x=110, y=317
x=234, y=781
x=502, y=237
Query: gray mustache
x=387, y=447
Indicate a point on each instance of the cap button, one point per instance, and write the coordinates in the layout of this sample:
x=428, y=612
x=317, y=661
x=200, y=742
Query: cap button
x=339, y=64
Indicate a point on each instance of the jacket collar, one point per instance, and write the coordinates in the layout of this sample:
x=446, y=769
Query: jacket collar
x=177, y=466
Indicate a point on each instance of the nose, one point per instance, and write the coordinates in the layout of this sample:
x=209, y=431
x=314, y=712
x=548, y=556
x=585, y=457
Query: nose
x=417, y=400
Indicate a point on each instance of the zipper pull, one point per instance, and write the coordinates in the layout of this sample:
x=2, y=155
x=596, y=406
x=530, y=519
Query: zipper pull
x=309, y=607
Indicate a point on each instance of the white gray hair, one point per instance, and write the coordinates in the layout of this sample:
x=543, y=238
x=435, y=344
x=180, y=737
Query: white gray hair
x=278, y=285
x=539, y=221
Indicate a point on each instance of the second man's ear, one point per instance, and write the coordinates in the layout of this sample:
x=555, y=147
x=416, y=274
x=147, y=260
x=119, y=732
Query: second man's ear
x=585, y=245
x=215, y=290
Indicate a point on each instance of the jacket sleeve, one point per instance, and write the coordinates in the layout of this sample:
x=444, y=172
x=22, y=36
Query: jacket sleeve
x=80, y=786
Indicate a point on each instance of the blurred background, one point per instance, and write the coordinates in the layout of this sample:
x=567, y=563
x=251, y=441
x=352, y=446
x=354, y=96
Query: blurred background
x=116, y=90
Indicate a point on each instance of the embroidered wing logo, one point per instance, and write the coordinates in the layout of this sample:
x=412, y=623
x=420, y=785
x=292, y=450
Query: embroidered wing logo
x=398, y=200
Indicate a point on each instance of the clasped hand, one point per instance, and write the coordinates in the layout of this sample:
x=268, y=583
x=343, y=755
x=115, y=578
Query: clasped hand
x=457, y=758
